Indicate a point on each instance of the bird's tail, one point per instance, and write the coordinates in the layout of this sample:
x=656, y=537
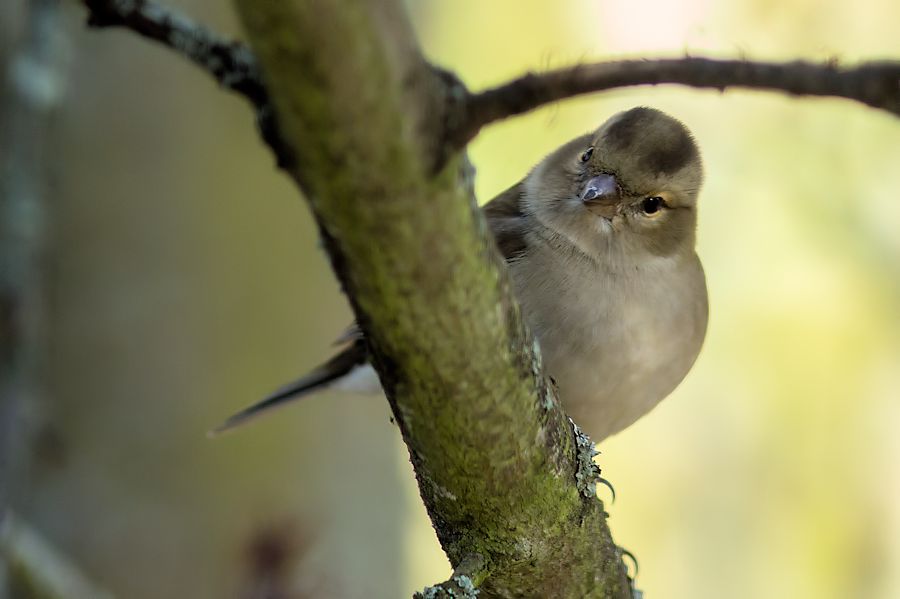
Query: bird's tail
x=332, y=370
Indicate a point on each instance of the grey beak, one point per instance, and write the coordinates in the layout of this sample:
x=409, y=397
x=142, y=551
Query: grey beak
x=602, y=189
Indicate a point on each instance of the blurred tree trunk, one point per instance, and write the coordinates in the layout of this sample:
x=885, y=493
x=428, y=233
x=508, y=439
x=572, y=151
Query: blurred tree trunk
x=32, y=86
x=171, y=285
x=29, y=97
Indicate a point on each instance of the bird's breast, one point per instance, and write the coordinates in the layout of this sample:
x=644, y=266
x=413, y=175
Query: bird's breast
x=615, y=340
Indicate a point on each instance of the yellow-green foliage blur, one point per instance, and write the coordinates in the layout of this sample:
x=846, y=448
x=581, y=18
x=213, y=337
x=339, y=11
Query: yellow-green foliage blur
x=774, y=470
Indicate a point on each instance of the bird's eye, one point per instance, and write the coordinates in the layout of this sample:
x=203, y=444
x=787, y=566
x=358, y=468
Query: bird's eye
x=586, y=155
x=652, y=205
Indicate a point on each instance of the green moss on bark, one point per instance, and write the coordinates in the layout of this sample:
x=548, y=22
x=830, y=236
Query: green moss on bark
x=494, y=454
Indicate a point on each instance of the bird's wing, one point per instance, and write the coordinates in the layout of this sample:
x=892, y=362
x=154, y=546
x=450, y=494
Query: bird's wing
x=508, y=222
x=353, y=356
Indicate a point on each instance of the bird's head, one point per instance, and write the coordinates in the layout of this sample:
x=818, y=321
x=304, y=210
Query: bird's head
x=634, y=181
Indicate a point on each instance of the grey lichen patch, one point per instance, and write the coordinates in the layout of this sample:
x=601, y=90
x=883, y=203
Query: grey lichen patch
x=443, y=492
x=548, y=397
x=467, y=176
x=587, y=473
x=547, y=390
x=197, y=48
x=429, y=593
x=537, y=362
x=466, y=586
x=436, y=489
x=125, y=6
x=524, y=548
x=458, y=587
x=151, y=11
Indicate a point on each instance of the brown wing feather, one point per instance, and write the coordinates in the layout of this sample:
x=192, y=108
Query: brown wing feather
x=338, y=366
x=508, y=222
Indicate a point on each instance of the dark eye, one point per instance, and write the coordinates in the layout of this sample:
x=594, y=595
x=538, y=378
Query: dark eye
x=652, y=205
x=586, y=155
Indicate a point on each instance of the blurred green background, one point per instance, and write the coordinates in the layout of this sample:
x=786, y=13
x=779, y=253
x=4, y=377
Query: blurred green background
x=186, y=280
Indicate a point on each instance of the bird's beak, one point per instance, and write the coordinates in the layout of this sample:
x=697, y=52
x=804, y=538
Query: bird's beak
x=601, y=195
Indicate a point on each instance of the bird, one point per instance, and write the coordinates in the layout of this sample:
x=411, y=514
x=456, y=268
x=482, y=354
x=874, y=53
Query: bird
x=599, y=239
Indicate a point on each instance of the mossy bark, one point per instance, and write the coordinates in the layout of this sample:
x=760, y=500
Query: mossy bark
x=494, y=454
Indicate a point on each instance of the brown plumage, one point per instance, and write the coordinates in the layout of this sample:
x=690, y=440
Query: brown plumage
x=599, y=240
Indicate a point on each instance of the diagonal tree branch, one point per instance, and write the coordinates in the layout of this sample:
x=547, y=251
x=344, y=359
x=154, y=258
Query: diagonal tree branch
x=875, y=84
x=500, y=468
x=231, y=63
x=496, y=459
x=463, y=584
x=506, y=479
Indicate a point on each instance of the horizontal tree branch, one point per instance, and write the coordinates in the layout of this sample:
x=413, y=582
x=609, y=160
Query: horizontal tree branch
x=231, y=63
x=234, y=66
x=875, y=84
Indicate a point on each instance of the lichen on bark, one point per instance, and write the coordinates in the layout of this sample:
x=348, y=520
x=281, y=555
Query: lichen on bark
x=494, y=454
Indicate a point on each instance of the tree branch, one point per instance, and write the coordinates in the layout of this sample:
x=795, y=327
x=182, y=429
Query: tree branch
x=365, y=119
x=875, y=84
x=495, y=456
x=34, y=568
x=231, y=63
x=468, y=575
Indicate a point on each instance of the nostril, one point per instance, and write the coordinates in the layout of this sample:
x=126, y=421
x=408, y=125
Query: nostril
x=589, y=194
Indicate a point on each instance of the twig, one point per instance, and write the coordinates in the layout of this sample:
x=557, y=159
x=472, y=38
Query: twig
x=231, y=63
x=234, y=66
x=34, y=568
x=876, y=84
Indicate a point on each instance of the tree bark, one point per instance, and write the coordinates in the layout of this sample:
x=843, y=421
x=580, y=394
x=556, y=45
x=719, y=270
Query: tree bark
x=496, y=459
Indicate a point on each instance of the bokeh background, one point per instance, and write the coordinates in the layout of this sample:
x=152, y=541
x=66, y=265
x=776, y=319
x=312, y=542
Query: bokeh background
x=185, y=280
